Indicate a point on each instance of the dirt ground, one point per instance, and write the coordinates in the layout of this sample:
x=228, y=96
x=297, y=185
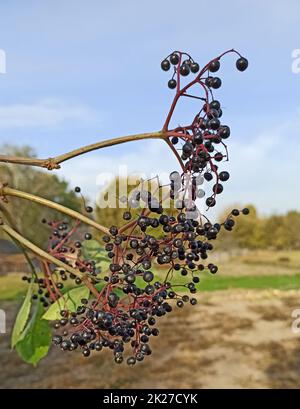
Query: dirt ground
x=232, y=339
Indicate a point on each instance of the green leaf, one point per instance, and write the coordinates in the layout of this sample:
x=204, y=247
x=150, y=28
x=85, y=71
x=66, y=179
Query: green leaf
x=70, y=301
x=91, y=245
x=92, y=250
x=22, y=317
x=36, y=339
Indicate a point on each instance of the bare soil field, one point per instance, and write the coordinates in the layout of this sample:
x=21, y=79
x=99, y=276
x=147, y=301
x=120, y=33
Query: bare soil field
x=231, y=339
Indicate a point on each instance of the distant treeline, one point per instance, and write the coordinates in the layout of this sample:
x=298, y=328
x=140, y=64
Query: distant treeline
x=252, y=231
x=279, y=232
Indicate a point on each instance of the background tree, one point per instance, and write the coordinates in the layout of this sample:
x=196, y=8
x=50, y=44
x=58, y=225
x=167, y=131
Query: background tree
x=278, y=232
x=283, y=231
x=26, y=214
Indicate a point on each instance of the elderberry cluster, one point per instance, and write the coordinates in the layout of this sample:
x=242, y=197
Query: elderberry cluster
x=155, y=260
x=131, y=298
x=183, y=67
x=203, y=142
x=183, y=64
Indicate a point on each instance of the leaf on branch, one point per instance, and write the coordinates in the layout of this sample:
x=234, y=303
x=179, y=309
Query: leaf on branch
x=36, y=338
x=22, y=318
x=70, y=301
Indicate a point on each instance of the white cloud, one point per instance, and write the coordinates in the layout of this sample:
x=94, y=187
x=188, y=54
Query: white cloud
x=263, y=168
x=50, y=112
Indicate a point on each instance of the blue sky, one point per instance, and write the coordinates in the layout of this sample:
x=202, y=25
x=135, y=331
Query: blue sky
x=79, y=72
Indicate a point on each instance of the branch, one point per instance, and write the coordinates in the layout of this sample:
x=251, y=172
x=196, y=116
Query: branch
x=7, y=191
x=54, y=163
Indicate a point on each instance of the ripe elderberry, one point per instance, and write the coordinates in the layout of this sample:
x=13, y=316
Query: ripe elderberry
x=242, y=64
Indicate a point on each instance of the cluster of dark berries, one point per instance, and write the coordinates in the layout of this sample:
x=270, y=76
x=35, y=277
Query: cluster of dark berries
x=156, y=259
x=41, y=292
x=183, y=65
x=131, y=299
x=64, y=246
x=202, y=143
